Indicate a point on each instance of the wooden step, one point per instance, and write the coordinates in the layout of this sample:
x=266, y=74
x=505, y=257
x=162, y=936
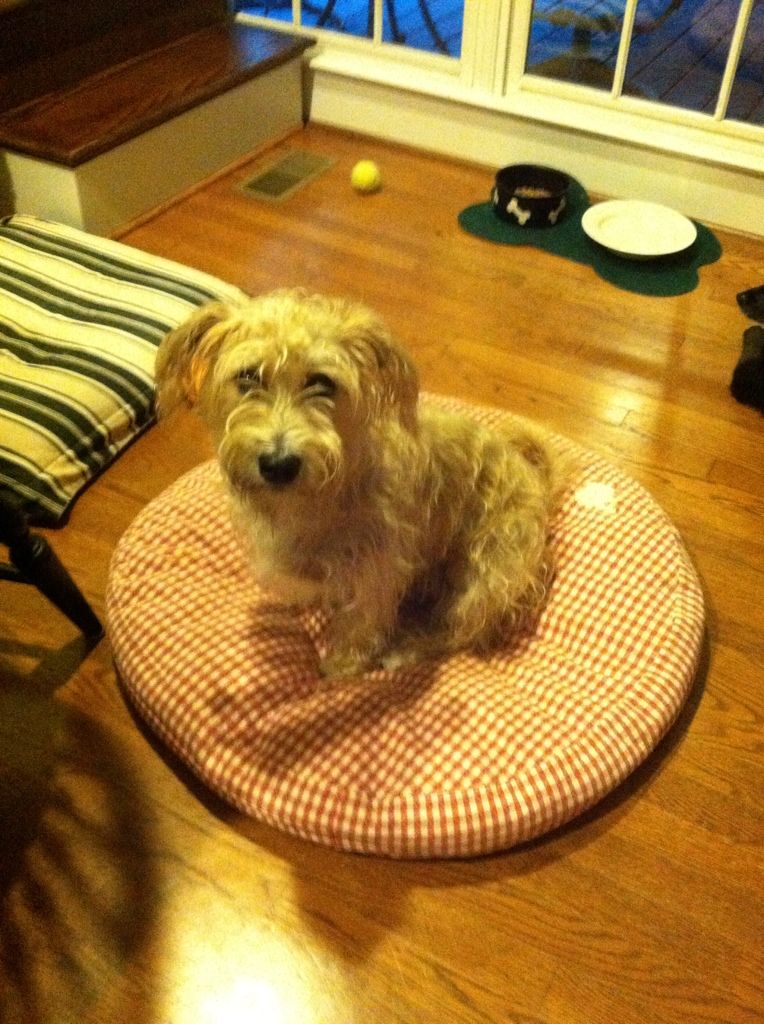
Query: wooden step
x=75, y=124
x=50, y=45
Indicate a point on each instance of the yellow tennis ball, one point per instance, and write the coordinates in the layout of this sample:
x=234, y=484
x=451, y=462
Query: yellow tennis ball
x=365, y=176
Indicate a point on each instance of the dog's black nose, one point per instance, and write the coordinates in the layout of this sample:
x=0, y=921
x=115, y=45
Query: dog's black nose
x=279, y=469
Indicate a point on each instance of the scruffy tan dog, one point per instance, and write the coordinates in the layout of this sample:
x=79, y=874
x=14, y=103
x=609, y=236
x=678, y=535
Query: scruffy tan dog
x=419, y=531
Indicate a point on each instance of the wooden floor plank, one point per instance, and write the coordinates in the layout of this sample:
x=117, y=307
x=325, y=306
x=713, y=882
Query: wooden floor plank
x=131, y=893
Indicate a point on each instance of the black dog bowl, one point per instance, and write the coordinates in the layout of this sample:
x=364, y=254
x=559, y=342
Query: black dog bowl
x=530, y=196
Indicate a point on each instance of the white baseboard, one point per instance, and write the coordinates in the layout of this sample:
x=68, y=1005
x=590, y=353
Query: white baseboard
x=715, y=194
x=118, y=186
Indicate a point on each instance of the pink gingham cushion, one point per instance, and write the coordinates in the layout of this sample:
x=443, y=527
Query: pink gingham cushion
x=450, y=759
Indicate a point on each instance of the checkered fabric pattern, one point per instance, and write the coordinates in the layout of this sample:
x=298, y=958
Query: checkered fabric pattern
x=450, y=759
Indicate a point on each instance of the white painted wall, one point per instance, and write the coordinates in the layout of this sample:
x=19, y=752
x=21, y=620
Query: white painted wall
x=722, y=185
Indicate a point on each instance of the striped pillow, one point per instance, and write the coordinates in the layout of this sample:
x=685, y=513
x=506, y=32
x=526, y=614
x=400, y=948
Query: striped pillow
x=80, y=321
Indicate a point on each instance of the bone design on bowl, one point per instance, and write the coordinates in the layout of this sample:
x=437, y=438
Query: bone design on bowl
x=530, y=196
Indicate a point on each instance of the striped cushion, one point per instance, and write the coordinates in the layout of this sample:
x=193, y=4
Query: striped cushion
x=80, y=320
x=454, y=758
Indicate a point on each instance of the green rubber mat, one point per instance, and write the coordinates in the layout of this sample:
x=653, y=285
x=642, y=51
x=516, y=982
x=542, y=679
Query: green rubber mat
x=665, y=275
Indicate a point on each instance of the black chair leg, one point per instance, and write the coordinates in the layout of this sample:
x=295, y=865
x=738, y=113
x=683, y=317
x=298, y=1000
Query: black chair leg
x=34, y=561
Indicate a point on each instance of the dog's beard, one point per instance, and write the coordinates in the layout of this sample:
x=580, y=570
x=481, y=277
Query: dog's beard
x=246, y=451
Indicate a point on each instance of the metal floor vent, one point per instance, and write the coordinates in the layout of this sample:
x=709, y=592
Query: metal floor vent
x=281, y=179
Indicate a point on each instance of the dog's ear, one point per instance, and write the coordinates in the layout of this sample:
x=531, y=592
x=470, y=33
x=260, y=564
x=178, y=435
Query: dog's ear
x=388, y=374
x=186, y=354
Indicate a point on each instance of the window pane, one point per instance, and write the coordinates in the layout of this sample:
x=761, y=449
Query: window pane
x=747, y=99
x=678, y=54
x=575, y=40
x=434, y=25
x=353, y=18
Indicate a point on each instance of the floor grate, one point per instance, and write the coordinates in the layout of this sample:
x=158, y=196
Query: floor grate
x=284, y=177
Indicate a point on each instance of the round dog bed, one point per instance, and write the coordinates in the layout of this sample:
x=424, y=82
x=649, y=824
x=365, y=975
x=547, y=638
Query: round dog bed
x=446, y=759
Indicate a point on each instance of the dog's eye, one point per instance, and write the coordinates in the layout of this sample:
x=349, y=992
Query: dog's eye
x=248, y=379
x=320, y=384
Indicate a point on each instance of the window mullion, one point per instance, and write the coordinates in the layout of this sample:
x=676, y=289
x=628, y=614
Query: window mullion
x=484, y=44
x=733, y=59
x=378, y=16
x=519, y=20
x=627, y=28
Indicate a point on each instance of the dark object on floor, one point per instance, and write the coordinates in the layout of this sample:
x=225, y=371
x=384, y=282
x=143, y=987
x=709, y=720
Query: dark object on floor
x=751, y=302
x=33, y=561
x=530, y=196
x=748, y=379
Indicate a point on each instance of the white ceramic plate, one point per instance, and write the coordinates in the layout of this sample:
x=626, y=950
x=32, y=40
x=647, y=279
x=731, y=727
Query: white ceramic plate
x=637, y=229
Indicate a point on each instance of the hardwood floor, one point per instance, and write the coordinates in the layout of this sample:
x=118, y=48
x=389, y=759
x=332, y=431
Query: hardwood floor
x=131, y=894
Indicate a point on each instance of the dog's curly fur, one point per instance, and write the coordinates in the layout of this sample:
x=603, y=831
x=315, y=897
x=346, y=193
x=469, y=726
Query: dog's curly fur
x=420, y=531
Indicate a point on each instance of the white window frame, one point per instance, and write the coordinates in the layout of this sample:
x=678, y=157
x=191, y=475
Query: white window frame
x=490, y=75
x=674, y=129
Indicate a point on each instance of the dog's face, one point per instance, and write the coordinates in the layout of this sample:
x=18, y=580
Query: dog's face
x=290, y=385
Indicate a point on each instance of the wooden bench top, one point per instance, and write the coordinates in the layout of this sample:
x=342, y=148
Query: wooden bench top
x=77, y=123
